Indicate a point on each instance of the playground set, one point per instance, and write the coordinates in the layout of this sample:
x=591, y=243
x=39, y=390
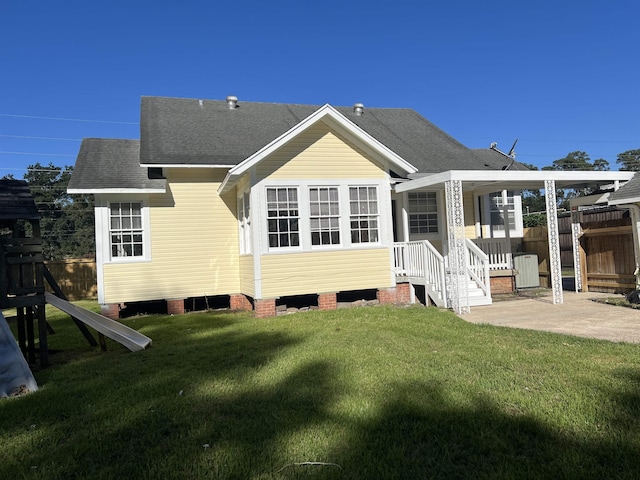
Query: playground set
x=22, y=286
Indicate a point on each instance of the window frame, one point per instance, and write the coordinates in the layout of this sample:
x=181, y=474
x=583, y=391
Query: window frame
x=363, y=215
x=103, y=229
x=383, y=215
x=515, y=230
x=280, y=220
x=435, y=212
x=245, y=234
x=332, y=218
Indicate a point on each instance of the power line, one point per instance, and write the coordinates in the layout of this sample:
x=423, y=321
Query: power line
x=41, y=138
x=67, y=119
x=36, y=153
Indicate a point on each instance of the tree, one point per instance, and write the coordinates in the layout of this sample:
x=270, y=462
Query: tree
x=532, y=200
x=578, y=160
x=630, y=160
x=575, y=161
x=67, y=223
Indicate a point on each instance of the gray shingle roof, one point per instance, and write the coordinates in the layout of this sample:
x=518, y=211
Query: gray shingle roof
x=192, y=132
x=107, y=163
x=180, y=131
x=629, y=191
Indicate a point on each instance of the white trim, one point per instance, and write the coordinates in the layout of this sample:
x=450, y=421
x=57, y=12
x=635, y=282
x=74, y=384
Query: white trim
x=496, y=180
x=97, y=191
x=185, y=165
x=99, y=228
x=515, y=231
x=624, y=201
x=102, y=235
x=336, y=120
x=385, y=239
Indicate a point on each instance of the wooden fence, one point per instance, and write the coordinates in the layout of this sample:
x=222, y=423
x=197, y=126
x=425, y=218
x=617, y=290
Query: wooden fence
x=606, y=253
x=536, y=240
x=76, y=277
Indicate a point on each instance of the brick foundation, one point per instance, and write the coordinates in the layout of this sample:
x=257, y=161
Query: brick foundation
x=501, y=285
x=175, y=307
x=265, y=308
x=327, y=301
x=240, y=302
x=403, y=293
x=387, y=295
x=110, y=310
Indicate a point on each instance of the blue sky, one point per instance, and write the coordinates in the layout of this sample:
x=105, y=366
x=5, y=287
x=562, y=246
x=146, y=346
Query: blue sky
x=558, y=75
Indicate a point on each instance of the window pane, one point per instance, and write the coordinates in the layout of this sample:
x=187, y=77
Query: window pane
x=282, y=216
x=126, y=229
x=324, y=214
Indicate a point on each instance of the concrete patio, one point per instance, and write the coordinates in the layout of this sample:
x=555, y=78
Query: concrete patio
x=579, y=315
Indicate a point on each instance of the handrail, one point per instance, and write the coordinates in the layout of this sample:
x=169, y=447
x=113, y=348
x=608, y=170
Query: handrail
x=498, y=250
x=478, y=267
x=421, y=260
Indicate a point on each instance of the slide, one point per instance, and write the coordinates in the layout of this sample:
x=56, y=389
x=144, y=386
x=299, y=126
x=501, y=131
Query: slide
x=15, y=376
x=122, y=334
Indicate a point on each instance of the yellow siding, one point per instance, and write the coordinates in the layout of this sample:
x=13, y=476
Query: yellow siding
x=469, y=215
x=247, y=283
x=194, y=244
x=319, y=153
x=318, y=272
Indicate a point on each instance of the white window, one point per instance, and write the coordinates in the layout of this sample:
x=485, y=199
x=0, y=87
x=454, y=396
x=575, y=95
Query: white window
x=363, y=202
x=500, y=208
x=423, y=212
x=244, y=223
x=125, y=229
x=324, y=215
x=283, y=218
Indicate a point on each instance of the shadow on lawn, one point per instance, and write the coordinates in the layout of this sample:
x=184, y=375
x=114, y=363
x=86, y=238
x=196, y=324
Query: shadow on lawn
x=218, y=428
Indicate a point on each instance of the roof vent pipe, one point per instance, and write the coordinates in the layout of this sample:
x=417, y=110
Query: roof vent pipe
x=232, y=102
x=358, y=109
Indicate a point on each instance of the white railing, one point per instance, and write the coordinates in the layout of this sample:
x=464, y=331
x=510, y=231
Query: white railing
x=421, y=262
x=498, y=250
x=478, y=267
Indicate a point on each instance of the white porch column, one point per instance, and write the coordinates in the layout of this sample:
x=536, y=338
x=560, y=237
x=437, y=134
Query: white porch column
x=576, y=232
x=457, y=287
x=555, y=266
x=635, y=222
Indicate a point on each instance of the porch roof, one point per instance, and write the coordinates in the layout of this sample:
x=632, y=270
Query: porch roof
x=496, y=180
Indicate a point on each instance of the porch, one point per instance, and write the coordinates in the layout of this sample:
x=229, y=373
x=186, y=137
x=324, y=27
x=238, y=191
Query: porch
x=420, y=263
x=452, y=279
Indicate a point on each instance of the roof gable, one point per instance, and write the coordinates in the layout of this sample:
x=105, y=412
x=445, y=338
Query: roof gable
x=334, y=120
x=628, y=193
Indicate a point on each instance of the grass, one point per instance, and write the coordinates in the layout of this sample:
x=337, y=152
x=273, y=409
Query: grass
x=377, y=392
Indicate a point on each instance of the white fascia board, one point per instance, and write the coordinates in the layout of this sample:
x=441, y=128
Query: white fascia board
x=509, y=179
x=115, y=190
x=590, y=200
x=333, y=118
x=624, y=201
x=184, y=165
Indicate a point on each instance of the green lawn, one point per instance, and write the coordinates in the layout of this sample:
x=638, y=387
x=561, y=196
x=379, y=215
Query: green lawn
x=379, y=392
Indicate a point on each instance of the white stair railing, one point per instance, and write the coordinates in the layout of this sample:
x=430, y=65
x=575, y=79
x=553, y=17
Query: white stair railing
x=423, y=264
x=478, y=267
x=498, y=250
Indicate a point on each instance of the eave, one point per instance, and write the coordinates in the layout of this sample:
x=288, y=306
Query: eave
x=496, y=180
x=334, y=119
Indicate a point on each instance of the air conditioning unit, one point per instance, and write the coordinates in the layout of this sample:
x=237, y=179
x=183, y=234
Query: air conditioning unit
x=527, y=266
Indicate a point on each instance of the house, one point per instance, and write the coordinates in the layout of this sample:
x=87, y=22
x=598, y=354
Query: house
x=262, y=201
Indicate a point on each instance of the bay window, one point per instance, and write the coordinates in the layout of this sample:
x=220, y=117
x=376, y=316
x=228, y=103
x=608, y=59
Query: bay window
x=309, y=217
